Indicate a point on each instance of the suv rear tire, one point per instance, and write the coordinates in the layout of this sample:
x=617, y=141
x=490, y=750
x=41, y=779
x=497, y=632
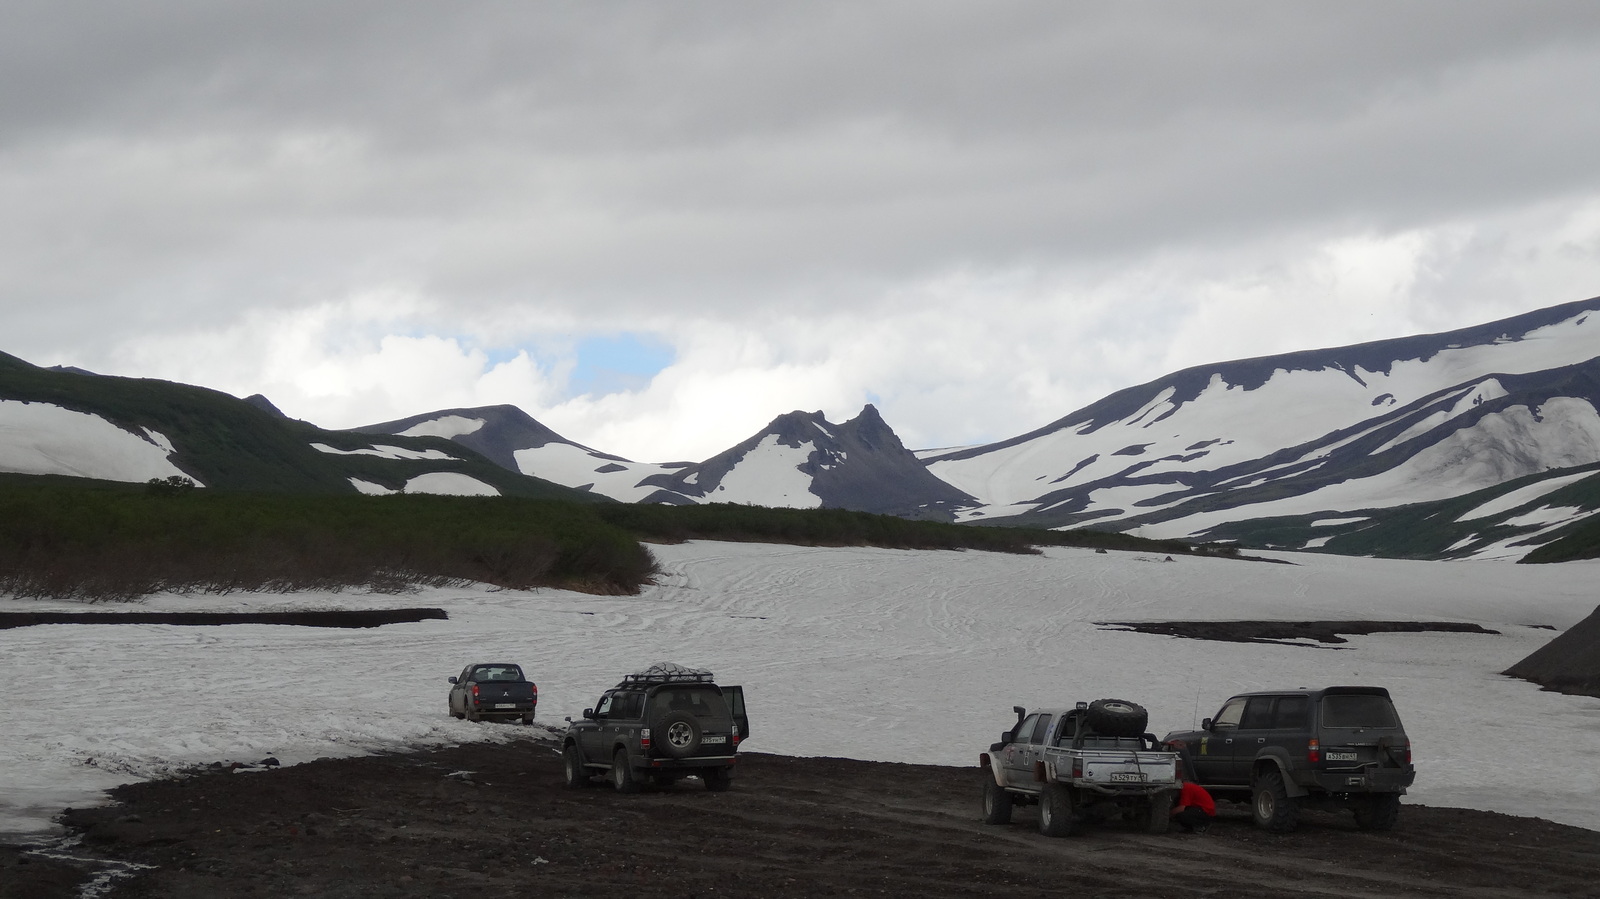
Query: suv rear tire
x=1378, y=811
x=622, y=778
x=996, y=801
x=1270, y=804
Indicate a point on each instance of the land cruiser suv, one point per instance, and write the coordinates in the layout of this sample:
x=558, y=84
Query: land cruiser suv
x=1337, y=747
x=658, y=725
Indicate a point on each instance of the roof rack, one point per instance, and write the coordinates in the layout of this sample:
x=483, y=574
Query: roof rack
x=669, y=672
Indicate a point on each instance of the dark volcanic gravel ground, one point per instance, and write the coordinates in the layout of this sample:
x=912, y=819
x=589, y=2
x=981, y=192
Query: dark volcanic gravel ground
x=489, y=820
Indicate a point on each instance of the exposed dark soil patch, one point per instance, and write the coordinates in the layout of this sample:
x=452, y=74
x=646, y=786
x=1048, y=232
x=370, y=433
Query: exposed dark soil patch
x=353, y=618
x=1287, y=631
x=487, y=820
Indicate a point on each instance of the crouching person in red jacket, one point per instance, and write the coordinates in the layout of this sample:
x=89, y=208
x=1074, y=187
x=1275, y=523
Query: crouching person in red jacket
x=1195, y=809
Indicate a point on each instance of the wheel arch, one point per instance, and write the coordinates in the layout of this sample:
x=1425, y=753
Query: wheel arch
x=1277, y=760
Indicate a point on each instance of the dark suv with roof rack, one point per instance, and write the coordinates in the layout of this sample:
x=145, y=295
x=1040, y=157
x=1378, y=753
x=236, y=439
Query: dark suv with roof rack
x=656, y=726
x=1281, y=750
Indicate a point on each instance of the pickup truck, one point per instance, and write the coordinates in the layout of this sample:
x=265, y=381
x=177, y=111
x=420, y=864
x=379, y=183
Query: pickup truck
x=1078, y=764
x=489, y=690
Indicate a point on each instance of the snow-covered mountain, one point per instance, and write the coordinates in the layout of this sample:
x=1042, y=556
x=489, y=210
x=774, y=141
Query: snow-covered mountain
x=799, y=460
x=1372, y=426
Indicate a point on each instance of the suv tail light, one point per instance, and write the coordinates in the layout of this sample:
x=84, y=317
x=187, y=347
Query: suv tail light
x=736, y=735
x=1408, y=752
x=644, y=738
x=1314, y=751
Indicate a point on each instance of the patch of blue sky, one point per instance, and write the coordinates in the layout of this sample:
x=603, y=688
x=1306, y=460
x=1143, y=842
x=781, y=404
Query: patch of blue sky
x=618, y=363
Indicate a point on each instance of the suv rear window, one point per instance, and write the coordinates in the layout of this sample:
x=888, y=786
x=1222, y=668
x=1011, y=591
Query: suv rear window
x=702, y=702
x=1358, y=710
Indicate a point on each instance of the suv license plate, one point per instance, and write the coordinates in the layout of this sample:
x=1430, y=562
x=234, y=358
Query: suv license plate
x=505, y=705
x=711, y=739
x=1127, y=778
x=1340, y=756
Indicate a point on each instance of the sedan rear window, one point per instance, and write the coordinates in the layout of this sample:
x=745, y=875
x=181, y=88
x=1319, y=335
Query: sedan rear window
x=1358, y=710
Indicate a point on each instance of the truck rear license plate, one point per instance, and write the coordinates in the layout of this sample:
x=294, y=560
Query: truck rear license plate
x=713, y=739
x=505, y=705
x=1123, y=777
x=1340, y=756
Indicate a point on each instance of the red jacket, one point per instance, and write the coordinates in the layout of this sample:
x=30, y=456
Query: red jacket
x=1196, y=795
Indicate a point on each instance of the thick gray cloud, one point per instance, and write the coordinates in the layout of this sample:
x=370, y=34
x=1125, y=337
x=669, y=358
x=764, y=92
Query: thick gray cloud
x=524, y=174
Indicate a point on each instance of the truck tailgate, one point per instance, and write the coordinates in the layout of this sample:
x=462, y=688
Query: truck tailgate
x=1114, y=767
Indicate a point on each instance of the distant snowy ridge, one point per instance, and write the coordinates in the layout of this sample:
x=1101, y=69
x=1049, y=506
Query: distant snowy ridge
x=1376, y=425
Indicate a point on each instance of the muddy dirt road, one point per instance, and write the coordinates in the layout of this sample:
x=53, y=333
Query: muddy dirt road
x=487, y=820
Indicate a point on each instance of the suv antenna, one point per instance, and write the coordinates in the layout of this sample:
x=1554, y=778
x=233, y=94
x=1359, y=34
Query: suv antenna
x=1194, y=722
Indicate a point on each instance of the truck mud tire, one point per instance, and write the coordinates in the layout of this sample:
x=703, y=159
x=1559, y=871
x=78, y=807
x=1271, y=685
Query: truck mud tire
x=577, y=776
x=622, y=779
x=1379, y=811
x=1116, y=717
x=717, y=780
x=1270, y=805
x=996, y=801
x=1055, y=812
x=1159, y=813
x=678, y=734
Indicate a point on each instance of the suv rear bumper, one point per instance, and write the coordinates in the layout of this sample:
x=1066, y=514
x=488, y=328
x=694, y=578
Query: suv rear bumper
x=705, y=761
x=1361, y=780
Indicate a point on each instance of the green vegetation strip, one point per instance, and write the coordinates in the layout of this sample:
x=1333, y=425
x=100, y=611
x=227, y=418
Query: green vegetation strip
x=80, y=540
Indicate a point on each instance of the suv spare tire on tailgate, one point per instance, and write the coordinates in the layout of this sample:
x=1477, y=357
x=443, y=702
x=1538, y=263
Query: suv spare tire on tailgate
x=678, y=734
x=1116, y=718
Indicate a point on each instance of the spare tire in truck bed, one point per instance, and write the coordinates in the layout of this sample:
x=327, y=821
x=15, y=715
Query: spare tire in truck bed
x=1116, y=718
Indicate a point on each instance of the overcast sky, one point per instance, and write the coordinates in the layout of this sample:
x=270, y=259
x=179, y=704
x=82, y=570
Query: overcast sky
x=656, y=226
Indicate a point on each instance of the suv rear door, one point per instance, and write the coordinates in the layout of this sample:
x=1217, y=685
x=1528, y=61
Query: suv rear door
x=735, y=699
x=1354, y=724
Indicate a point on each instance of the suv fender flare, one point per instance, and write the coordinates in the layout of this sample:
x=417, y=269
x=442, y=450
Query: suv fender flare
x=1279, y=759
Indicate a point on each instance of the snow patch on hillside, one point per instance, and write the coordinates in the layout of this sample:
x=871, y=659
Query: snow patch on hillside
x=769, y=475
x=447, y=426
x=369, y=488
x=1523, y=495
x=574, y=466
x=450, y=483
x=40, y=438
x=388, y=452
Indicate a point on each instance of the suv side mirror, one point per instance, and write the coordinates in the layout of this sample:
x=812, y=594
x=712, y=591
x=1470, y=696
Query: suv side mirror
x=452, y=678
x=1205, y=724
x=588, y=713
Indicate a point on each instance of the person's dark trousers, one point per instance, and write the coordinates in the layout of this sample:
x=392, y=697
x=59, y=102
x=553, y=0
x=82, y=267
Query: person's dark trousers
x=1191, y=819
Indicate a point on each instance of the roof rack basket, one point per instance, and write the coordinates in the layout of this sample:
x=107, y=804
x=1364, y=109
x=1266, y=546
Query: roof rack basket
x=669, y=672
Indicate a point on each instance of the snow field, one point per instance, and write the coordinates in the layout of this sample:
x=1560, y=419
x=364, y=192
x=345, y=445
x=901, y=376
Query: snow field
x=866, y=653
